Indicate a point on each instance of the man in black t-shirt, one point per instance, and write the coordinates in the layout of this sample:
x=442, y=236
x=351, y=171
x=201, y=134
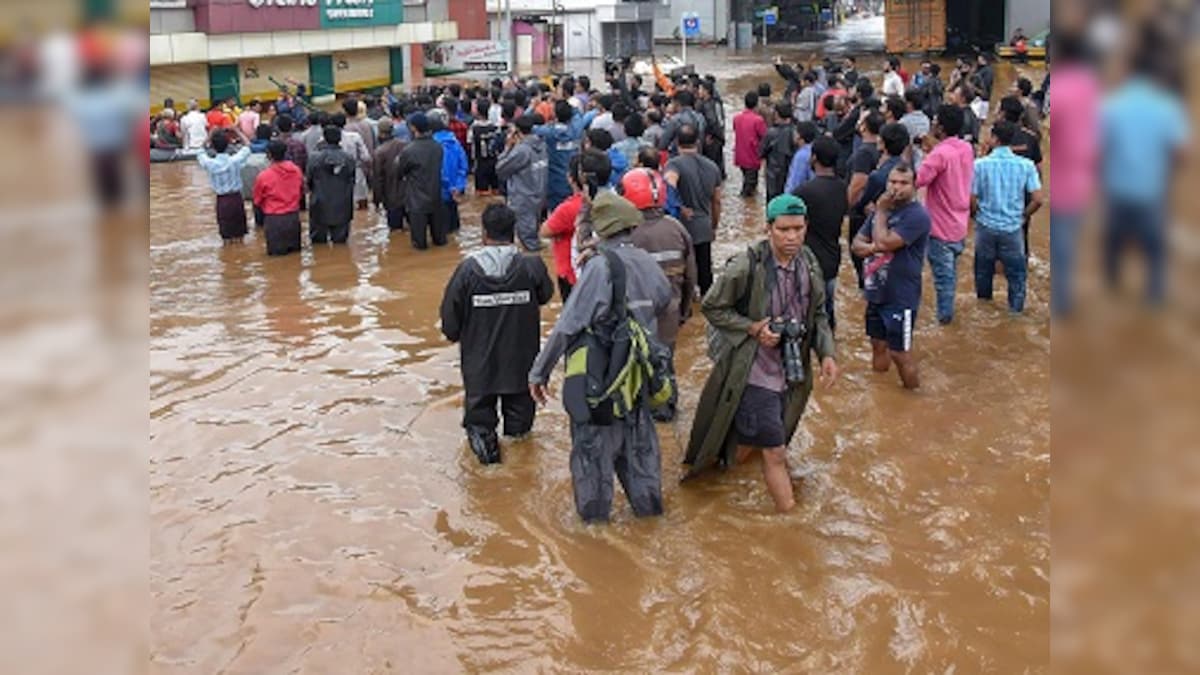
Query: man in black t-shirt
x=1026, y=143
x=825, y=197
x=484, y=137
x=862, y=163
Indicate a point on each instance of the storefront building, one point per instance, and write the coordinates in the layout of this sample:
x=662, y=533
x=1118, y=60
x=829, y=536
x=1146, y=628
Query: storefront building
x=211, y=50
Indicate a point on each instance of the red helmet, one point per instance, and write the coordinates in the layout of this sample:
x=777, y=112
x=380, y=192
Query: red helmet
x=646, y=188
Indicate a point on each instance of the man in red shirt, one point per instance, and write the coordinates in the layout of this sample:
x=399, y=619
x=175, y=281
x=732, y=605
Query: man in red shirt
x=749, y=128
x=277, y=192
x=560, y=229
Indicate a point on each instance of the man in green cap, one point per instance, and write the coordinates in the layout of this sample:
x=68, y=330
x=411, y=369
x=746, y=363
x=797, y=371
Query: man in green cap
x=625, y=445
x=767, y=310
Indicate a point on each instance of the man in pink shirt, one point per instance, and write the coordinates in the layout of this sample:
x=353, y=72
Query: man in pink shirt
x=749, y=128
x=1072, y=173
x=250, y=118
x=946, y=172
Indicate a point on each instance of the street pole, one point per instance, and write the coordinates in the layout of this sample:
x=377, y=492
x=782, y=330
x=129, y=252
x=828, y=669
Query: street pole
x=683, y=32
x=764, y=30
x=508, y=41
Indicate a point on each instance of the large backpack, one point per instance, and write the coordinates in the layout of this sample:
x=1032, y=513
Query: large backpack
x=613, y=367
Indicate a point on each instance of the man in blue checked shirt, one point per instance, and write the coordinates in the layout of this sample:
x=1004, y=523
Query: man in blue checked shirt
x=999, y=189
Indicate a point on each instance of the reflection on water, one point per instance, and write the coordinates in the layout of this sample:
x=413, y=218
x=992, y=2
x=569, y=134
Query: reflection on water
x=314, y=506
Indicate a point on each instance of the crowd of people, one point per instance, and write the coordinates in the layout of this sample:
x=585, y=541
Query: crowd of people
x=624, y=183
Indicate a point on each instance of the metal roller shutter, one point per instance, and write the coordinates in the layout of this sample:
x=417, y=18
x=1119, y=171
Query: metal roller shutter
x=180, y=82
x=361, y=69
x=256, y=75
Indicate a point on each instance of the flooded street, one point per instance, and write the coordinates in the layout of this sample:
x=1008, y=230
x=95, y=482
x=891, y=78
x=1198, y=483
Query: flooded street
x=315, y=509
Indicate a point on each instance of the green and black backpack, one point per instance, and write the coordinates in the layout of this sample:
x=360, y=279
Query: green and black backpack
x=613, y=367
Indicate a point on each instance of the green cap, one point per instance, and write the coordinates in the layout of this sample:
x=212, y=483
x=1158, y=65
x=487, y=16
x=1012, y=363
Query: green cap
x=786, y=205
x=612, y=214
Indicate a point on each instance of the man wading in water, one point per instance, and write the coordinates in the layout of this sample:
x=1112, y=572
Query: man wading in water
x=491, y=308
x=768, y=308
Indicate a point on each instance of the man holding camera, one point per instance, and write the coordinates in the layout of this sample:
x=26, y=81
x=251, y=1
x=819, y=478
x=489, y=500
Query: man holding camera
x=768, y=313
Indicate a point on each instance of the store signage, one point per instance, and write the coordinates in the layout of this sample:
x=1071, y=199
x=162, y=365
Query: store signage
x=248, y=16
x=466, y=56
x=338, y=10
x=282, y=3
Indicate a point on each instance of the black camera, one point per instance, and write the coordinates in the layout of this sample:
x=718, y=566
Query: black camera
x=791, y=336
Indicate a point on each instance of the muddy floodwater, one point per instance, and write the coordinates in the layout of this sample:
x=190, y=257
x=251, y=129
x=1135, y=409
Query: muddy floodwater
x=315, y=508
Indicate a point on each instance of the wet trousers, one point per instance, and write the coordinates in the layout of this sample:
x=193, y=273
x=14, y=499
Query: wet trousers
x=1143, y=224
x=628, y=448
x=320, y=232
x=424, y=226
x=518, y=409
x=527, y=223
x=749, y=182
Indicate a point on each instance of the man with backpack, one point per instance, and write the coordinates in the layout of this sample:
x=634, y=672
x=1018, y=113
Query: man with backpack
x=615, y=306
x=767, y=312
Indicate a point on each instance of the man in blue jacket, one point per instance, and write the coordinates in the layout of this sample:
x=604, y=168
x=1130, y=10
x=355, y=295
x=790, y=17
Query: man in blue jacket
x=562, y=143
x=454, y=168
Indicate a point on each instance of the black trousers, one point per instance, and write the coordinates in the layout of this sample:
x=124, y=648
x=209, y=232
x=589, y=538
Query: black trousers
x=485, y=175
x=704, y=272
x=856, y=222
x=425, y=225
x=320, y=232
x=714, y=149
x=564, y=289
x=258, y=216
x=749, y=182
x=450, y=214
x=518, y=410
x=395, y=218
x=108, y=177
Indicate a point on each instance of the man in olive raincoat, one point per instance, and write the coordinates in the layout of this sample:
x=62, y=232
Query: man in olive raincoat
x=768, y=312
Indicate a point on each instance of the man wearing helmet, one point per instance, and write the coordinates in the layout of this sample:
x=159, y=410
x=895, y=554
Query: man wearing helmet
x=668, y=242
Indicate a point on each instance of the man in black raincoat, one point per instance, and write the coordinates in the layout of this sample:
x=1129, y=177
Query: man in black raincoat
x=330, y=175
x=420, y=167
x=491, y=309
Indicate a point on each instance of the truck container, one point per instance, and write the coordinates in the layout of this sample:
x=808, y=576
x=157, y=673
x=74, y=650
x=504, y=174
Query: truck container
x=916, y=26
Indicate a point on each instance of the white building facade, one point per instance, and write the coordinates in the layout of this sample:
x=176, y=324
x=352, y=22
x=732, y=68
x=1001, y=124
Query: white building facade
x=589, y=29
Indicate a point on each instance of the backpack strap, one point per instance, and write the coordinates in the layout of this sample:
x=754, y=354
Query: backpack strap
x=616, y=273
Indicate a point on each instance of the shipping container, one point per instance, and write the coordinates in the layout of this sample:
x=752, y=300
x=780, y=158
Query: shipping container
x=916, y=26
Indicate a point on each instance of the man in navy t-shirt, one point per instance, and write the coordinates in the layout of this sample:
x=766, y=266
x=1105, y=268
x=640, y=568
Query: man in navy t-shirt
x=892, y=241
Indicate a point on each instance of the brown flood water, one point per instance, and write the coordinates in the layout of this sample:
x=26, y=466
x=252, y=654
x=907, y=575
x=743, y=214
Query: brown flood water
x=315, y=509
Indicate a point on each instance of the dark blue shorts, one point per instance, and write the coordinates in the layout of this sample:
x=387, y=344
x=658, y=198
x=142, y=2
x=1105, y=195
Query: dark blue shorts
x=893, y=324
x=759, y=418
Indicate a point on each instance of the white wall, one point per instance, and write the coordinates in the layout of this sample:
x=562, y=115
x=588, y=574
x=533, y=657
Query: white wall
x=547, y=6
x=582, y=35
x=714, y=18
x=1032, y=15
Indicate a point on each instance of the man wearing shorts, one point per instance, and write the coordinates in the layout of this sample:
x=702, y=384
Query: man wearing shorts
x=892, y=241
x=768, y=309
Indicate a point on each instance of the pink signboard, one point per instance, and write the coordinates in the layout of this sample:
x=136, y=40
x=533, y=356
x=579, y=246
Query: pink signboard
x=255, y=16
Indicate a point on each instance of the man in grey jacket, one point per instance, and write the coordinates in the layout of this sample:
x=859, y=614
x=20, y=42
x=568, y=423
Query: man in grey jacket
x=629, y=445
x=523, y=167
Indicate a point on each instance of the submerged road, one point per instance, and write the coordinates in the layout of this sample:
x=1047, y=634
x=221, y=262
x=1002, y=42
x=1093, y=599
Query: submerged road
x=314, y=508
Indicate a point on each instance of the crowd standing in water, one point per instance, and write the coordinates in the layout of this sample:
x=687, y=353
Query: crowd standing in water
x=624, y=182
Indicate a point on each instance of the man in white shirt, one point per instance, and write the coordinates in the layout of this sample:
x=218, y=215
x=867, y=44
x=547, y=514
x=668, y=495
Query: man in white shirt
x=893, y=85
x=194, y=127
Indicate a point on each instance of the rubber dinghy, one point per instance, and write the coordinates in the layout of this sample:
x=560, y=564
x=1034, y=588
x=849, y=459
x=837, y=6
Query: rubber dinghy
x=158, y=155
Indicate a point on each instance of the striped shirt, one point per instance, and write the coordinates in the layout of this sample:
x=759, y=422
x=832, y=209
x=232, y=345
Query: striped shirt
x=225, y=170
x=1001, y=182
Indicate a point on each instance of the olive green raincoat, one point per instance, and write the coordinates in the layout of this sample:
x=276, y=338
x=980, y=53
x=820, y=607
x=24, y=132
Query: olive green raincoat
x=713, y=437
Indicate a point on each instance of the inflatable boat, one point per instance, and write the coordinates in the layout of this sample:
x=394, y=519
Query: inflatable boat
x=158, y=155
